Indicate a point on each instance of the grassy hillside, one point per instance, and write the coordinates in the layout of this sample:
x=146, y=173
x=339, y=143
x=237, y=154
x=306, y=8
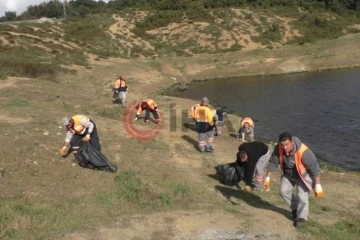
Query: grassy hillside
x=164, y=188
x=50, y=47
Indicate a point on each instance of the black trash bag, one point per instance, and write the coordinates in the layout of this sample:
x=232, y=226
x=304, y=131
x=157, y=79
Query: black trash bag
x=229, y=174
x=89, y=157
x=115, y=93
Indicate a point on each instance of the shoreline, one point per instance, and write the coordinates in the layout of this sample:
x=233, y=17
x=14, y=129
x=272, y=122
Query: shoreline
x=325, y=55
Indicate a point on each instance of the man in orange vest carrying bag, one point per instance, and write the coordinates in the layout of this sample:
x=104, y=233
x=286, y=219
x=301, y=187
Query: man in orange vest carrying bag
x=120, y=88
x=79, y=128
x=300, y=170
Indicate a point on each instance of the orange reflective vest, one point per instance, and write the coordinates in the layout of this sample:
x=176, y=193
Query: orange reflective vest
x=300, y=167
x=120, y=84
x=247, y=120
x=77, y=125
x=205, y=121
x=151, y=104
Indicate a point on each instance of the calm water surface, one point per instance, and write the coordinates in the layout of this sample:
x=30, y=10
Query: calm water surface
x=322, y=109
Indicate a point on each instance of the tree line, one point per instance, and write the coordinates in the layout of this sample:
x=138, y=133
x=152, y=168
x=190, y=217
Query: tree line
x=81, y=8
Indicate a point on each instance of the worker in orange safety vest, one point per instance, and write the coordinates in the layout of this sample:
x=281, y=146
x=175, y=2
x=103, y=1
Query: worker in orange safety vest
x=79, y=128
x=150, y=106
x=300, y=170
x=120, y=90
x=246, y=128
x=204, y=126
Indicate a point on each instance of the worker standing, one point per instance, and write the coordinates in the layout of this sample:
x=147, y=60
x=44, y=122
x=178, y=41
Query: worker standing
x=120, y=90
x=205, y=125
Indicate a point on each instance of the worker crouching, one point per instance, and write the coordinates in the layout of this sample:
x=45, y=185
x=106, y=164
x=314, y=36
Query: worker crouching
x=150, y=106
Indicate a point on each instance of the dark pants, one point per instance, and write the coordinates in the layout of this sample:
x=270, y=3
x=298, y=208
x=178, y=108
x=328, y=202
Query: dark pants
x=154, y=113
x=94, y=140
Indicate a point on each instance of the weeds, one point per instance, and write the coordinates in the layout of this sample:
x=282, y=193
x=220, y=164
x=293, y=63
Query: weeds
x=344, y=229
x=130, y=186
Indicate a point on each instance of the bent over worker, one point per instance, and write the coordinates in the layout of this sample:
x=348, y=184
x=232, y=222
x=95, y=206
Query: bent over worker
x=247, y=127
x=120, y=88
x=79, y=128
x=300, y=170
x=150, y=106
x=205, y=125
x=252, y=158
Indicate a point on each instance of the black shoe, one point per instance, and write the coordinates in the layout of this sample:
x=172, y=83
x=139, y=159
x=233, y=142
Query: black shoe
x=210, y=149
x=300, y=223
x=294, y=215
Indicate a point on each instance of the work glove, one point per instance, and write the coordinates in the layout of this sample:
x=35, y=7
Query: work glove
x=266, y=184
x=137, y=117
x=247, y=189
x=318, y=191
x=86, y=138
x=63, y=151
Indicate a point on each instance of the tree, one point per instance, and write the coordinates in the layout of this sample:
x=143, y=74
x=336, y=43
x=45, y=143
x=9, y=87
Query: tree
x=10, y=16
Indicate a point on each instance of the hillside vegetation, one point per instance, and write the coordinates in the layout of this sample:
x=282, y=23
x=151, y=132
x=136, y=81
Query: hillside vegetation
x=164, y=189
x=51, y=46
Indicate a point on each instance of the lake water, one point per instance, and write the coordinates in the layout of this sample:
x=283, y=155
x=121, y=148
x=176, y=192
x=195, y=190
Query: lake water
x=321, y=108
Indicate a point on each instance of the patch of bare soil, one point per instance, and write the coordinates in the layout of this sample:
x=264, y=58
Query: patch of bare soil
x=121, y=31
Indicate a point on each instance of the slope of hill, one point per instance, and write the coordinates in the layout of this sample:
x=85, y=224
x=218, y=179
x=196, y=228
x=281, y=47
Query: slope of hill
x=164, y=188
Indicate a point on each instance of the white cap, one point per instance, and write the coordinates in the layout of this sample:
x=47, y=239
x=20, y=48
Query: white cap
x=204, y=100
x=66, y=120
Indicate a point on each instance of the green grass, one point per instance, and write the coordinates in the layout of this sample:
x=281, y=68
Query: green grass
x=345, y=229
x=130, y=186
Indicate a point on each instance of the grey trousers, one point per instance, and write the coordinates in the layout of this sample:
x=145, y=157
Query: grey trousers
x=122, y=97
x=260, y=168
x=202, y=140
x=296, y=195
